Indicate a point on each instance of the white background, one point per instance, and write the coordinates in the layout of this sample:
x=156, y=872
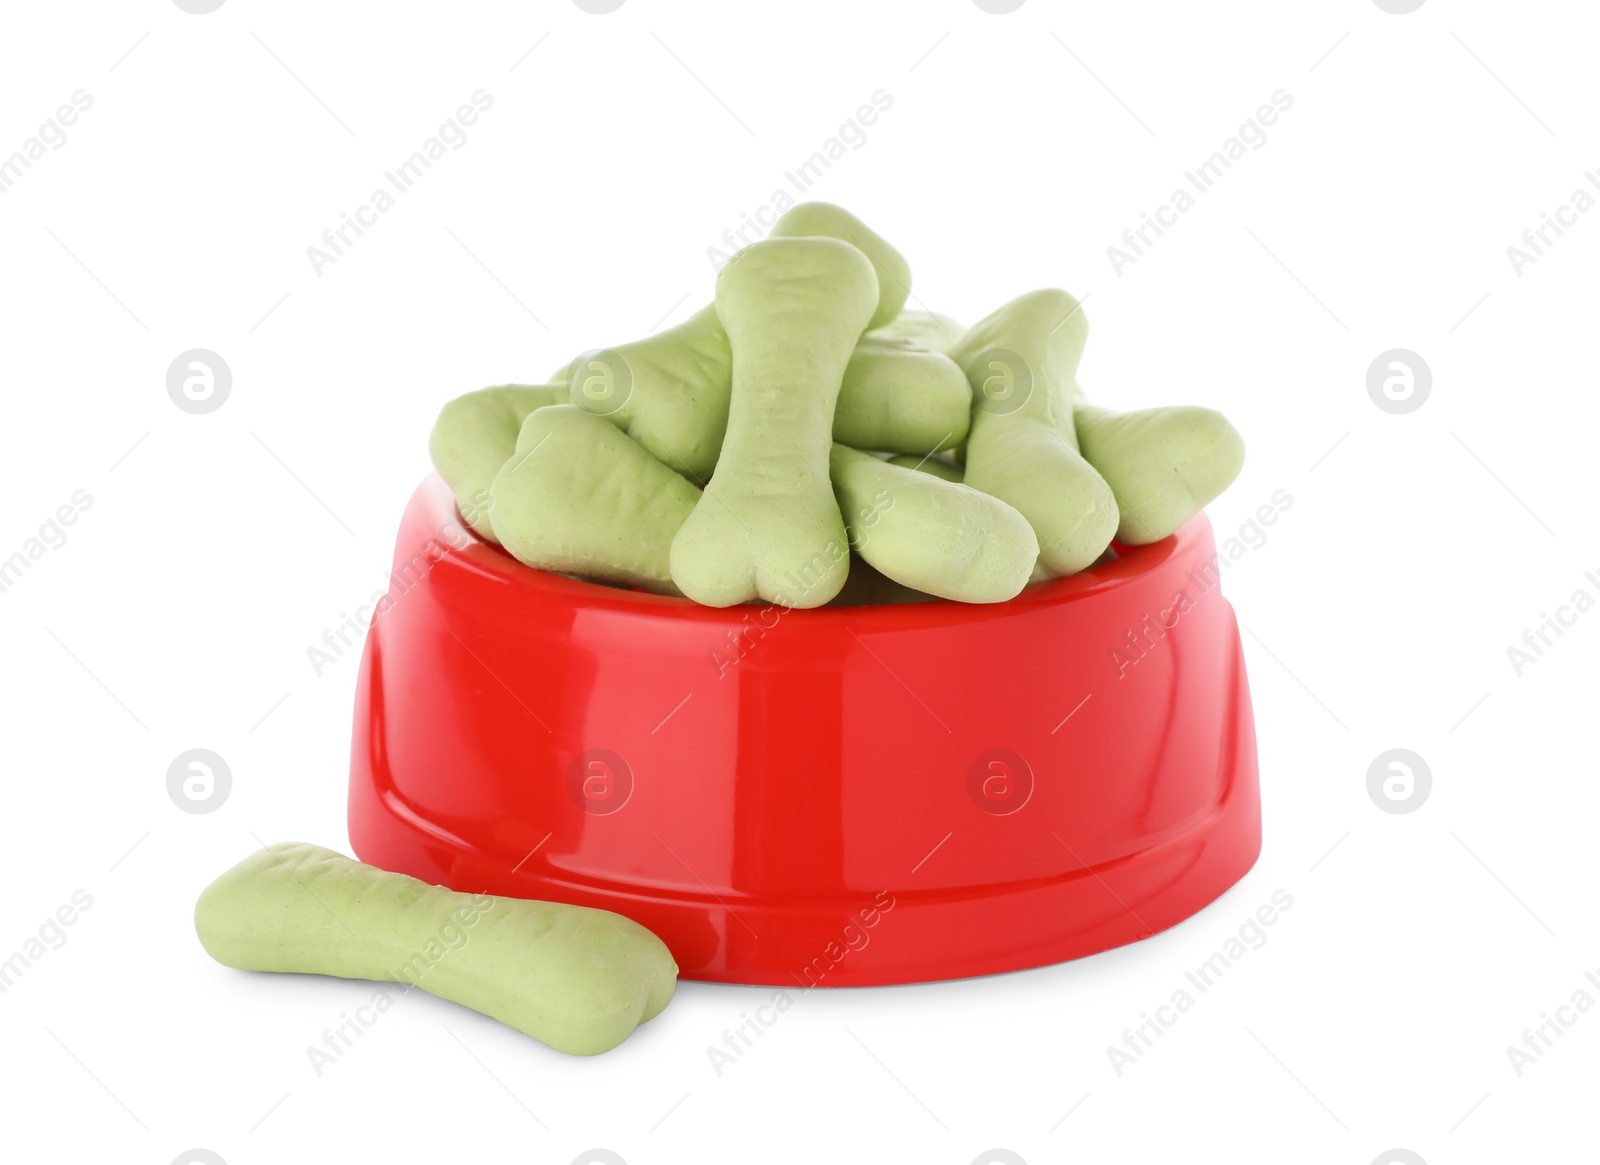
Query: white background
x=619, y=147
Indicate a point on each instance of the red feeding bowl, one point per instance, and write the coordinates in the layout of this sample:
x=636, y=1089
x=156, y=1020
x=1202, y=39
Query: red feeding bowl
x=835, y=797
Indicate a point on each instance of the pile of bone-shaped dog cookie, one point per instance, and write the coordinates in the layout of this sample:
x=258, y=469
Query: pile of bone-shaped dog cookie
x=803, y=440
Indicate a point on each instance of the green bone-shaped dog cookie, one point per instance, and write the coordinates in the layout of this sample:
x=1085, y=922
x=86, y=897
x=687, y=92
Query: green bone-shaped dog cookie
x=580, y=496
x=823, y=220
x=476, y=434
x=899, y=396
x=577, y=979
x=1022, y=447
x=669, y=391
x=767, y=525
x=1164, y=465
x=932, y=535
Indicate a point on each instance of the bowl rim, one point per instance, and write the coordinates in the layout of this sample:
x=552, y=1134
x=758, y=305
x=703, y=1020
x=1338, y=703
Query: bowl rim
x=1131, y=565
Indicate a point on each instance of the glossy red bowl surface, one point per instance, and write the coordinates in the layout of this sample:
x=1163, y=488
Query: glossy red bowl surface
x=834, y=797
